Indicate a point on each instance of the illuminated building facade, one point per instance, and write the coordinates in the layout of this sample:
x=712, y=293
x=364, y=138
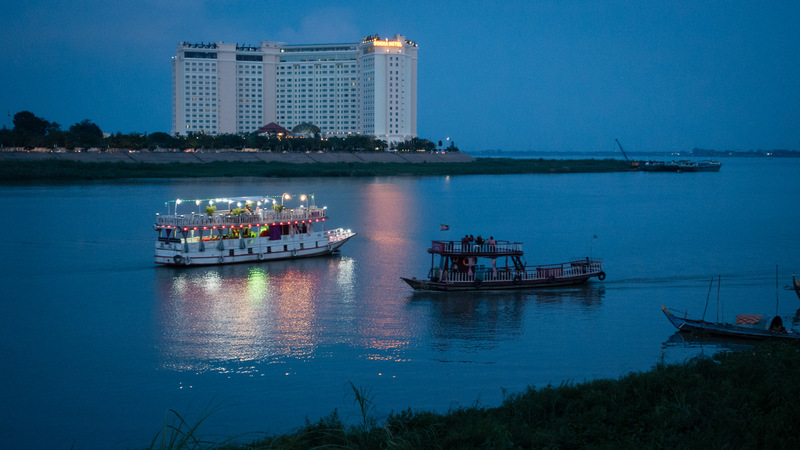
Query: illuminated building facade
x=368, y=87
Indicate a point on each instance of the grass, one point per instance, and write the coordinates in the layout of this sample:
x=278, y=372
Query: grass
x=745, y=399
x=55, y=170
x=177, y=433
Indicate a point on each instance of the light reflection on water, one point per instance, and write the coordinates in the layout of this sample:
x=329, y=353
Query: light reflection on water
x=478, y=320
x=233, y=318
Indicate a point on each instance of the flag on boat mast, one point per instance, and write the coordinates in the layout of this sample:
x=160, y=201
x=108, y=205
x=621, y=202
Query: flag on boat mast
x=445, y=227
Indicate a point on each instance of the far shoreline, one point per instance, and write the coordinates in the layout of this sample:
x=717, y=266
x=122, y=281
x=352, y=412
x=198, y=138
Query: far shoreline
x=24, y=167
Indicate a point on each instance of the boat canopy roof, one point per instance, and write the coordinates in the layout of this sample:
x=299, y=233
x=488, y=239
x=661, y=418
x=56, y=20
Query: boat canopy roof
x=760, y=322
x=458, y=248
x=247, y=200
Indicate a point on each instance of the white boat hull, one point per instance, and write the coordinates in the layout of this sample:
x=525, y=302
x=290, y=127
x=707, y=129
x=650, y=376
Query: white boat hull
x=249, y=250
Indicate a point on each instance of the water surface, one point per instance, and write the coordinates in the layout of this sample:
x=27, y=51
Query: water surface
x=98, y=342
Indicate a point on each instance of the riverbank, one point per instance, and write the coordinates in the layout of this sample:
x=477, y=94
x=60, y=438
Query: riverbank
x=207, y=157
x=731, y=400
x=31, y=167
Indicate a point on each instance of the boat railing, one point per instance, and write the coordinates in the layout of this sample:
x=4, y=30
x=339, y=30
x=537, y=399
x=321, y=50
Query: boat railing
x=457, y=247
x=338, y=234
x=543, y=272
x=213, y=242
x=225, y=218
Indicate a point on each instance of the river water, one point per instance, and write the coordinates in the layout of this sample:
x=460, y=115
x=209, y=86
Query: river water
x=98, y=343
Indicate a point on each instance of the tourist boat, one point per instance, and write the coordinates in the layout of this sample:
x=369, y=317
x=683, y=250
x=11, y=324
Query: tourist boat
x=747, y=326
x=257, y=229
x=457, y=266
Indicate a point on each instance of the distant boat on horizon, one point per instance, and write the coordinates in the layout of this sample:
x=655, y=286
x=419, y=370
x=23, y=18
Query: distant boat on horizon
x=680, y=166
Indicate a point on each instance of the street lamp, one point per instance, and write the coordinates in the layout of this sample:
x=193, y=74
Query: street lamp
x=177, y=202
x=285, y=197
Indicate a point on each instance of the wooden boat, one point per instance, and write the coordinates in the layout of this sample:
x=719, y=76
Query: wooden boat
x=260, y=229
x=747, y=326
x=457, y=266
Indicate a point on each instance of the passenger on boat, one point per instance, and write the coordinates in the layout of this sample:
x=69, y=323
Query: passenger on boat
x=479, y=240
x=492, y=243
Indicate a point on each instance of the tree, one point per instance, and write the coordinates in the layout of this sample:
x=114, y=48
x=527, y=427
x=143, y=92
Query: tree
x=27, y=124
x=161, y=140
x=6, y=137
x=85, y=134
x=416, y=144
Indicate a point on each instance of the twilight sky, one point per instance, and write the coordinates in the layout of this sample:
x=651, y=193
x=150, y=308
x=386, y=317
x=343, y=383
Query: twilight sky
x=513, y=75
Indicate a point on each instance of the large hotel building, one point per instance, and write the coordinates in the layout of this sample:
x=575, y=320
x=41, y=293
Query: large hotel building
x=366, y=88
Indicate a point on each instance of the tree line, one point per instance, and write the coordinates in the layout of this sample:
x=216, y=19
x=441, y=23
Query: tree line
x=31, y=131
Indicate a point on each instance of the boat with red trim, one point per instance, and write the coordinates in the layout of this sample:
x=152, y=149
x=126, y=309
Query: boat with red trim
x=257, y=229
x=465, y=266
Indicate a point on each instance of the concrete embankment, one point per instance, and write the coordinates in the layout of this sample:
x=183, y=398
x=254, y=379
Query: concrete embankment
x=231, y=156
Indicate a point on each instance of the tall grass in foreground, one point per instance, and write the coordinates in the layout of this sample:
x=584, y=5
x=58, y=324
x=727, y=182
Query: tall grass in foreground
x=178, y=433
x=747, y=399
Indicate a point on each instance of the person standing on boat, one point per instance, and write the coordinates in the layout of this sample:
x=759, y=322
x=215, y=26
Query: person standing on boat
x=492, y=243
x=479, y=242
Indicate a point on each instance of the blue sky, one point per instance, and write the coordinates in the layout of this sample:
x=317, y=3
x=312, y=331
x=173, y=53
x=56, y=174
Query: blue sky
x=514, y=75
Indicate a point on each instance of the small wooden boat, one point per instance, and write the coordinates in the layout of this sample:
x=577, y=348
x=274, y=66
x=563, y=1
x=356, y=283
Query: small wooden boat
x=463, y=266
x=747, y=326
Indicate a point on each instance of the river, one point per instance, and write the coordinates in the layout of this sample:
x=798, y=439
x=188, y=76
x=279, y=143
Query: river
x=98, y=343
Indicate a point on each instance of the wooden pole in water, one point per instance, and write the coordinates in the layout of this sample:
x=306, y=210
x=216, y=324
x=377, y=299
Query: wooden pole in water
x=707, y=296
